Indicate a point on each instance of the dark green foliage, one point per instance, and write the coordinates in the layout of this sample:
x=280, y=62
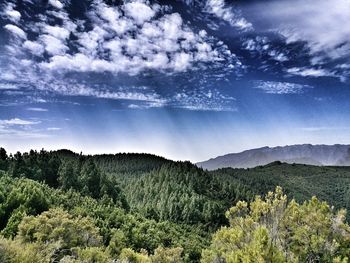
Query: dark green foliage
x=140, y=203
x=3, y=159
x=90, y=179
x=126, y=163
x=64, y=169
x=181, y=192
x=331, y=184
x=21, y=197
x=41, y=166
x=66, y=176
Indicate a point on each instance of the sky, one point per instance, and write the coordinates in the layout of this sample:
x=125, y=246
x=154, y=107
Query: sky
x=184, y=79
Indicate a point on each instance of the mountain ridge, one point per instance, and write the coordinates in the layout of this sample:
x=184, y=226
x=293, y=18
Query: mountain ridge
x=318, y=154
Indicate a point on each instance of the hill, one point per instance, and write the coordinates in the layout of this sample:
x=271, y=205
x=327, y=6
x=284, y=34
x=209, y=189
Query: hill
x=301, y=182
x=142, y=201
x=304, y=154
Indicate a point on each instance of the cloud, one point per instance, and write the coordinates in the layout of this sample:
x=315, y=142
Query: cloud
x=139, y=12
x=11, y=14
x=146, y=105
x=56, y=31
x=18, y=121
x=131, y=40
x=14, y=133
x=273, y=87
x=204, y=100
x=8, y=86
x=17, y=128
x=310, y=72
x=278, y=56
x=34, y=47
x=54, y=129
x=57, y=4
x=77, y=89
x=261, y=45
x=320, y=24
x=53, y=46
x=227, y=13
x=37, y=109
x=16, y=31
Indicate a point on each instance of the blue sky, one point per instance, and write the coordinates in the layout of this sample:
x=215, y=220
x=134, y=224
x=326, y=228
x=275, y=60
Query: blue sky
x=184, y=79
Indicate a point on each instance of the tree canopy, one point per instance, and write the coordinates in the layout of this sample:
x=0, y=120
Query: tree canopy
x=64, y=207
x=271, y=229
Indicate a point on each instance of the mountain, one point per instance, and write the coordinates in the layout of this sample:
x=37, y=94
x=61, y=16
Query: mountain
x=303, y=154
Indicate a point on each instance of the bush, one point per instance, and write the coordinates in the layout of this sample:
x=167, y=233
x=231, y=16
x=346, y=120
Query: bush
x=273, y=230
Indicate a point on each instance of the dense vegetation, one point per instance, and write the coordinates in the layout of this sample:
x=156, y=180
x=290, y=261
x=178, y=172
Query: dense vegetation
x=331, y=184
x=66, y=207
x=273, y=230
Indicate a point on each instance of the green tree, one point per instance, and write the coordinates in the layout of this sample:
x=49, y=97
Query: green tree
x=90, y=179
x=66, y=177
x=3, y=159
x=17, y=166
x=51, y=175
x=161, y=255
x=273, y=230
x=56, y=225
x=118, y=242
x=130, y=256
x=92, y=255
x=23, y=195
x=167, y=255
x=13, y=251
x=15, y=219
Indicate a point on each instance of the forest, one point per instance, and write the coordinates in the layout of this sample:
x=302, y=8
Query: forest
x=61, y=206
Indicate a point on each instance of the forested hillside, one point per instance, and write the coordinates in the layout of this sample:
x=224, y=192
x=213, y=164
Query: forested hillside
x=331, y=184
x=66, y=207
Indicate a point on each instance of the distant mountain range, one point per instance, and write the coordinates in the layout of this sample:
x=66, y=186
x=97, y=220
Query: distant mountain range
x=337, y=155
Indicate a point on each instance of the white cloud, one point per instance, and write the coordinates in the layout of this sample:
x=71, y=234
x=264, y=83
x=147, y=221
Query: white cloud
x=54, y=129
x=274, y=87
x=74, y=88
x=140, y=12
x=12, y=14
x=201, y=100
x=321, y=24
x=37, y=109
x=34, y=47
x=147, y=105
x=310, y=72
x=263, y=46
x=16, y=134
x=8, y=86
x=16, y=31
x=227, y=13
x=53, y=46
x=56, y=31
x=278, y=56
x=17, y=128
x=181, y=61
x=18, y=121
x=142, y=39
x=132, y=38
x=57, y=4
